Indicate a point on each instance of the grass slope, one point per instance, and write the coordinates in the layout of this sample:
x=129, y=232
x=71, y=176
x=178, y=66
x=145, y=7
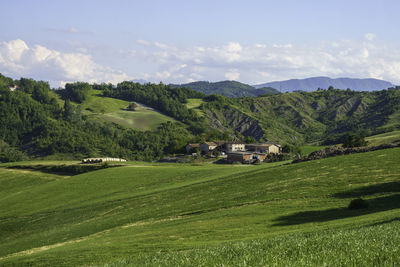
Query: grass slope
x=114, y=110
x=385, y=138
x=179, y=215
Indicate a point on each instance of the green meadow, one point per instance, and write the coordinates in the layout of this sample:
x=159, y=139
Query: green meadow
x=195, y=103
x=385, y=138
x=154, y=214
x=114, y=110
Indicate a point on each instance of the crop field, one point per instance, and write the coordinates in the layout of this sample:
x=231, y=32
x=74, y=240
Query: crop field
x=153, y=214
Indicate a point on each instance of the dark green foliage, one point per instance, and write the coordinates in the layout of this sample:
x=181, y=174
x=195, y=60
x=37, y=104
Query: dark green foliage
x=278, y=157
x=354, y=140
x=41, y=92
x=36, y=124
x=228, y=88
x=10, y=154
x=292, y=149
x=358, y=203
x=27, y=85
x=77, y=92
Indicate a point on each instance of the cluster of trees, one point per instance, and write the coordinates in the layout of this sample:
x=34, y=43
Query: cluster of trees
x=354, y=140
x=77, y=92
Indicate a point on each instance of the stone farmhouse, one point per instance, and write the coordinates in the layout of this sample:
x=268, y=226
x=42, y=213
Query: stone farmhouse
x=269, y=148
x=246, y=157
x=238, y=151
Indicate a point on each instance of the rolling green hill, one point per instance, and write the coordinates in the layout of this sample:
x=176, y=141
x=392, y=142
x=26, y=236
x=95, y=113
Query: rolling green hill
x=114, y=110
x=189, y=215
x=325, y=115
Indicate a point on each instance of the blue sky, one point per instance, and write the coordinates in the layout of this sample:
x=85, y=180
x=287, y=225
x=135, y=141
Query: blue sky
x=182, y=41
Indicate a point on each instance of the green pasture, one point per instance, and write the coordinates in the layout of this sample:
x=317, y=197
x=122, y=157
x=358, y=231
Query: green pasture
x=385, y=138
x=307, y=149
x=195, y=103
x=114, y=110
x=146, y=214
x=146, y=120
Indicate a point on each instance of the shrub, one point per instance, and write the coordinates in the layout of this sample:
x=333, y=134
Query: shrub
x=358, y=203
x=354, y=140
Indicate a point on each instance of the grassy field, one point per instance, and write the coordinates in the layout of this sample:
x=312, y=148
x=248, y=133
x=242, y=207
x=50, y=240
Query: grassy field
x=194, y=103
x=307, y=149
x=147, y=214
x=385, y=138
x=141, y=119
x=114, y=110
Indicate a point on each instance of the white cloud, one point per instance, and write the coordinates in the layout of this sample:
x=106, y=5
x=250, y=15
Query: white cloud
x=142, y=42
x=39, y=62
x=232, y=75
x=253, y=63
x=258, y=63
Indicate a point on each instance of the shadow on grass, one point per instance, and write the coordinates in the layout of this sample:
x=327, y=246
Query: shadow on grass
x=376, y=205
x=391, y=187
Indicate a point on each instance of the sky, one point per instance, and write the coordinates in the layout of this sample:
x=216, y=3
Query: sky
x=183, y=41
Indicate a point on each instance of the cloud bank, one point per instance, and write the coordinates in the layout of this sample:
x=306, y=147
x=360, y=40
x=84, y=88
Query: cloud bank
x=249, y=63
x=259, y=63
x=17, y=59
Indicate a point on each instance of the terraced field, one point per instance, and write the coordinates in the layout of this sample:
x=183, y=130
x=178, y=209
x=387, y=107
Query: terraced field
x=147, y=214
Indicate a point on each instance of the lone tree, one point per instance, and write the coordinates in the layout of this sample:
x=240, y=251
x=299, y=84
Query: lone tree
x=354, y=140
x=132, y=106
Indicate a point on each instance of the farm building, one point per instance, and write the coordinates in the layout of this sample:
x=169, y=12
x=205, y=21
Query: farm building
x=98, y=160
x=269, y=148
x=234, y=146
x=190, y=147
x=208, y=146
x=246, y=157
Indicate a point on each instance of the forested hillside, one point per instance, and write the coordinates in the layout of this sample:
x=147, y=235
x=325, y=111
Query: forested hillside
x=37, y=122
x=322, y=116
x=34, y=124
x=228, y=88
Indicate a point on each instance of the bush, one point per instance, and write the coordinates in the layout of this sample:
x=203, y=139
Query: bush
x=358, y=203
x=10, y=154
x=354, y=140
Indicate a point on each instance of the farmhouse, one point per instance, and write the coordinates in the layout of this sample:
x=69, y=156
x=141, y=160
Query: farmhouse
x=190, y=147
x=246, y=157
x=269, y=148
x=208, y=146
x=233, y=146
x=98, y=160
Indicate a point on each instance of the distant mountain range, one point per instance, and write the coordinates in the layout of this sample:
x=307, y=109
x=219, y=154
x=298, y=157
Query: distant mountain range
x=228, y=88
x=312, y=84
